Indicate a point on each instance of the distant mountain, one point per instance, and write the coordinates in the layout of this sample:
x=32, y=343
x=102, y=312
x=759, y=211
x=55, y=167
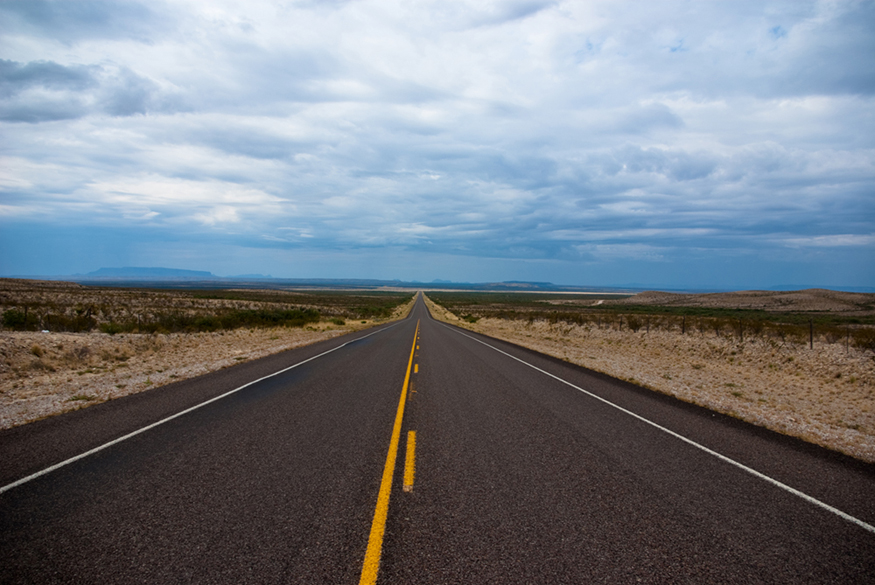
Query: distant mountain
x=158, y=277
x=525, y=284
x=149, y=273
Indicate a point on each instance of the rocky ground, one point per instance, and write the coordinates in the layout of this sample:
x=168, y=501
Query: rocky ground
x=825, y=396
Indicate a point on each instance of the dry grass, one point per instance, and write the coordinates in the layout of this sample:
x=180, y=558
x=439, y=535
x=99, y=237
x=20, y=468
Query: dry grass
x=43, y=374
x=814, y=299
x=825, y=396
x=66, y=306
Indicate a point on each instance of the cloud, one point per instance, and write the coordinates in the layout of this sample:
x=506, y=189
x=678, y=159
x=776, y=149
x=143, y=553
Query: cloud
x=18, y=77
x=541, y=133
x=220, y=214
x=832, y=241
x=44, y=91
x=497, y=13
x=83, y=19
x=612, y=252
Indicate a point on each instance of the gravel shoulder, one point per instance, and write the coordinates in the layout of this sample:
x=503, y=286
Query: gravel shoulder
x=825, y=396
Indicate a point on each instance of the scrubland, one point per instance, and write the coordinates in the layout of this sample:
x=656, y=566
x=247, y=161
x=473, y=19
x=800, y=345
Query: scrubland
x=46, y=372
x=764, y=373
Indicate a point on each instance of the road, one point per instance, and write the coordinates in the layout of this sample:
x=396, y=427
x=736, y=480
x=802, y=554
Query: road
x=526, y=469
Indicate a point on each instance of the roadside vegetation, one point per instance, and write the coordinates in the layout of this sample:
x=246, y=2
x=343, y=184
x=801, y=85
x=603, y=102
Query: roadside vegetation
x=854, y=328
x=801, y=363
x=68, y=307
x=65, y=346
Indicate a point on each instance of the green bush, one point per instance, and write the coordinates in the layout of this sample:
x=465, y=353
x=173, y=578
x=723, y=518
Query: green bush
x=633, y=323
x=75, y=324
x=20, y=321
x=113, y=328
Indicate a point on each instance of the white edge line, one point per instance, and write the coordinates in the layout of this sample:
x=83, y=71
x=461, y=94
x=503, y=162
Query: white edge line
x=724, y=458
x=178, y=414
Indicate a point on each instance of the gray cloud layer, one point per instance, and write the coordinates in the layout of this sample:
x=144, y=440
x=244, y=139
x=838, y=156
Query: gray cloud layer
x=574, y=142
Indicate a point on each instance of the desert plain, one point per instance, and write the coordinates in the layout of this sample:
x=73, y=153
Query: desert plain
x=823, y=394
x=46, y=372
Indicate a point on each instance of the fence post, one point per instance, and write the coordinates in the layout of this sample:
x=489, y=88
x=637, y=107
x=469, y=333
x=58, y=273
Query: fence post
x=811, y=333
x=684, y=325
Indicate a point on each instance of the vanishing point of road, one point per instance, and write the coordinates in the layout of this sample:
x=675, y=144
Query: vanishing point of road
x=417, y=452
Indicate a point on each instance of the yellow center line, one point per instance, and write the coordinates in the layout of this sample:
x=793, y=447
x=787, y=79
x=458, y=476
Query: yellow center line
x=371, y=566
x=410, y=461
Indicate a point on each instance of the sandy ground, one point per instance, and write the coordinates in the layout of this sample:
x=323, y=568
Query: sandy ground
x=43, y=374
x=825, y=396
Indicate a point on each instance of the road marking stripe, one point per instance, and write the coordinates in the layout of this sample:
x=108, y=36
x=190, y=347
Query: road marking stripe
x=410, y=461
x=754, y=472
x=178, y=414
x=416, y=369
x=371, y=565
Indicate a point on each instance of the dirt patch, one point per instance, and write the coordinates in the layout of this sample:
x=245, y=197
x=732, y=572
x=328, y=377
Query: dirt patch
x=825, y=396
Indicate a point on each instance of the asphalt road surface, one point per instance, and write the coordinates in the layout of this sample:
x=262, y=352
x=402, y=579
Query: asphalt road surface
x=526, y=470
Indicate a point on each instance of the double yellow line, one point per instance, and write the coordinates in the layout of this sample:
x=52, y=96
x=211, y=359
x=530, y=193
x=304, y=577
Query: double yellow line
x=378, y=527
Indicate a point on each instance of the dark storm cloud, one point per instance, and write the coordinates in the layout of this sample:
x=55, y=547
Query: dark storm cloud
x=16, y=77
x=42, y=91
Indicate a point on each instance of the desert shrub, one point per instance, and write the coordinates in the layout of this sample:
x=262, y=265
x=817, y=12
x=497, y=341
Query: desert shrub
x=250, y=318
x=177, y=322
x=832, y=334
x=633, y=322
x=864, y=339
x=754, y=328
x=20, y=320
x=77, y=354
x=797, y=334
x=76, y=324
x=470, y=318
x=579, y=319
x=39, y=364
x=514, y=315
x=113, y=328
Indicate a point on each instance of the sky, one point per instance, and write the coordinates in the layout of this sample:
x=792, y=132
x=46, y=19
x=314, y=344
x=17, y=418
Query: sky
x=670, y=144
